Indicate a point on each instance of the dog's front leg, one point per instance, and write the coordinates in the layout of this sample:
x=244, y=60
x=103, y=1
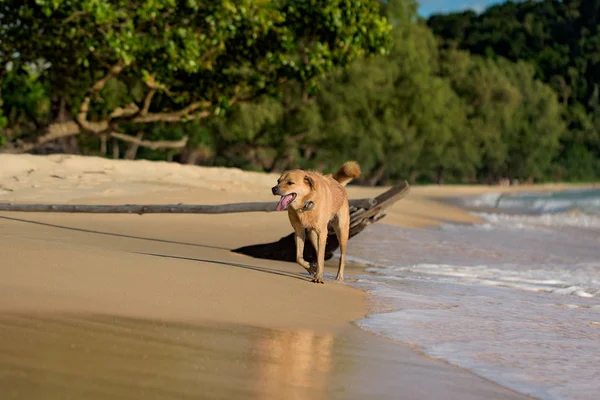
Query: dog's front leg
x=300, y=239
x=322, y=236
x=314, y=239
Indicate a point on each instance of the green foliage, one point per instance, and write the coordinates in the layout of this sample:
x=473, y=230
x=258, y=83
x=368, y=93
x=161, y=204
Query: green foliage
x=275, y=84
x=24, y=91
x=394, y=114
x=562, y=41
x=205, y=52
x=519, y=119
x=559, y=38
x=417, y=114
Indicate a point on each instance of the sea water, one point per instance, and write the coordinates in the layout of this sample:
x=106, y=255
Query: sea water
x=515, y=299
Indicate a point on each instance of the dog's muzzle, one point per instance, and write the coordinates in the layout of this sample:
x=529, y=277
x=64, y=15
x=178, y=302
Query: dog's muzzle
x=275, y=190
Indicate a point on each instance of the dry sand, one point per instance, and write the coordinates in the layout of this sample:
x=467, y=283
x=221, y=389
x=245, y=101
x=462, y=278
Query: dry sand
x=163, y=286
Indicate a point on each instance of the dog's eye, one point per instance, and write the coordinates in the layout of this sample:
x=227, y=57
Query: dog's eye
x=290, y=183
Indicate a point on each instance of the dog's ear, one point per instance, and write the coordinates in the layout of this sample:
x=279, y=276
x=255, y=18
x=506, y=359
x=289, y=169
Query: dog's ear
x=310, y=181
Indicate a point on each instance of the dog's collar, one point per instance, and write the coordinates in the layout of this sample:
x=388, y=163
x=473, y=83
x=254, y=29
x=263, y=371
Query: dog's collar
x=309, y=205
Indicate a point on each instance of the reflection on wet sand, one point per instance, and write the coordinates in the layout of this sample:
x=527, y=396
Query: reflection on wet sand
x=93, y=357
x=292, y=363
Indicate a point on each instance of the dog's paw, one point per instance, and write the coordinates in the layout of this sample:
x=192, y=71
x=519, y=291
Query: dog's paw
x=313, y=268
x=317, y=280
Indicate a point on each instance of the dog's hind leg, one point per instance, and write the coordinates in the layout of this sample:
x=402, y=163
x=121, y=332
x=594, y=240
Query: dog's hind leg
x=341, y=225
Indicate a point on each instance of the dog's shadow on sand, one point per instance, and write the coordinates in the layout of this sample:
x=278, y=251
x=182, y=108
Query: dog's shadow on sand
x=235, y=265
x=120, y=235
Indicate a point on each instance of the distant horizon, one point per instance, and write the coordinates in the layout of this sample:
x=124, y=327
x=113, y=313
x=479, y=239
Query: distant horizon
x=430, y=7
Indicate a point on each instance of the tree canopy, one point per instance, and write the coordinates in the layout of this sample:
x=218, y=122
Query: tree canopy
x=115, y=63
x=561, y=40
x=274, y=84
x=421, y=112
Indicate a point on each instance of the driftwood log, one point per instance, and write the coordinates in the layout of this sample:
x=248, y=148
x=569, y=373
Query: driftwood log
x=361, y=215
x=363, y=212
x=160, y=208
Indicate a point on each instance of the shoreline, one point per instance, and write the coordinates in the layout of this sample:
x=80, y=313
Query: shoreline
x=178, y=268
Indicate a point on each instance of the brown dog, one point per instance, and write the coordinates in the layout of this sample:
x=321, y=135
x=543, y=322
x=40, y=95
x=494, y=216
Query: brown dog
x=312, y=200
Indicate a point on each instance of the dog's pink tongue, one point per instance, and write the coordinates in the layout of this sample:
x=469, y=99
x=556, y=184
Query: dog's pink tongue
x=284, y=202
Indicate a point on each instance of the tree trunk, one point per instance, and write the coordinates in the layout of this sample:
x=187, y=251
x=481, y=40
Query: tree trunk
x=280, y=164
x=115, y=149
x=189, y=156
x=374, y=180
x=440, y=175
x=103, y=146
x=133, y=147
x=413, y=176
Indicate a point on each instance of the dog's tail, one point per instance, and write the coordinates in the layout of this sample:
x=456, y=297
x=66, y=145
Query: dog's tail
x=348, y=171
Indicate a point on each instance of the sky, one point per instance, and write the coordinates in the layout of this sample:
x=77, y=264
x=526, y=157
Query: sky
x=428, y=7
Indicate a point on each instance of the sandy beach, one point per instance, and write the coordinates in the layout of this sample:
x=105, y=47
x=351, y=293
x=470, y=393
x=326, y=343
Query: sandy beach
x=158, y=306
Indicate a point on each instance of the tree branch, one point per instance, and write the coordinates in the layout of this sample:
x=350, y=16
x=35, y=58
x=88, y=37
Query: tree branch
x=154, y=145
x=94, y=91
x=128, y=111
x=73, y=16
x=175, y=116
x=53, y=132
x=152, y=84
x=66, y=129
x=147, y=101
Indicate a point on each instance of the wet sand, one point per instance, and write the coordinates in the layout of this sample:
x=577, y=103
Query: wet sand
x=75, y=356
x=157, y=306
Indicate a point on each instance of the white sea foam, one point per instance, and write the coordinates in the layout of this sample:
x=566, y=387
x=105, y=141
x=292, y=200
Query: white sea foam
x=515, y=299
x=538, y=202
x=574, y=219
x=579, y=280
